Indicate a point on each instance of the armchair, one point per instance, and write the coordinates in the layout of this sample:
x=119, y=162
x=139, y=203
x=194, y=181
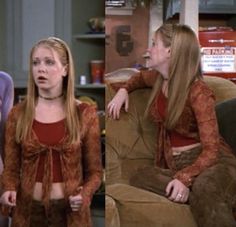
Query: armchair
x=131, y=144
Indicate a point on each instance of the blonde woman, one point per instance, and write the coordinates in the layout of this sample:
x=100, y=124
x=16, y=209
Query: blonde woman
x=193, y=162
x=52, y=149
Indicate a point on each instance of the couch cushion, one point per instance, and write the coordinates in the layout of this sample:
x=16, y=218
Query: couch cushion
x=121, y=164
x=139, y=208
x=131, y=140
x=132, y=128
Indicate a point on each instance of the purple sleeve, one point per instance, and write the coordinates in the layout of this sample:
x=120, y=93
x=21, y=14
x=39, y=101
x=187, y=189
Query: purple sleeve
x=6, y=102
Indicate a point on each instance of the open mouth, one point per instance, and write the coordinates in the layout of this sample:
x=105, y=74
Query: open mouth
x=41, y=78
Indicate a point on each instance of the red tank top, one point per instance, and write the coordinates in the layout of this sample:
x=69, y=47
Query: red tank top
x=50, y=134
x=176, y=139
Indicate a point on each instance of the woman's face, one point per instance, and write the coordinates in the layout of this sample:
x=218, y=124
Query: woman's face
x=48, y=71
x=158, y=53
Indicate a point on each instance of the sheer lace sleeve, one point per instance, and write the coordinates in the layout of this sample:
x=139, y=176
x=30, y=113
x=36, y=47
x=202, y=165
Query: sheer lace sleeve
x=92, y=166
x=12, y=155
x=143, y=79
x=203, y=105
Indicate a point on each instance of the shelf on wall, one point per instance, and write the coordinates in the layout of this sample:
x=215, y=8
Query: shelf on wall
x=90, y=86
x=90, y=36
x=119, y=10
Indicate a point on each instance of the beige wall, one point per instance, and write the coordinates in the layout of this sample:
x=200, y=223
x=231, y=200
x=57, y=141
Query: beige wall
x=139, y=25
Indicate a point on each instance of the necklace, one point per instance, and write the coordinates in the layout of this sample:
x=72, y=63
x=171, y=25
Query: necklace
x=51, y=98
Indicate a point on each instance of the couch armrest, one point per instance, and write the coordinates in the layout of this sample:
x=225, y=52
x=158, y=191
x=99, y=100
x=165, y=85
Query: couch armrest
x=112, y=214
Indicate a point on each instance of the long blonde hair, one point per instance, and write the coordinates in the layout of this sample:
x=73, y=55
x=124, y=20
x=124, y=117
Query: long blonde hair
x=25, y=120
x=184, y=68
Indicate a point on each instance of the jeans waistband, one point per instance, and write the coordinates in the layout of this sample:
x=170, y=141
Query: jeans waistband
x=51, y=202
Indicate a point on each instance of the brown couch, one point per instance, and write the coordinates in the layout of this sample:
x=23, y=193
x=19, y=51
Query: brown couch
x=130, y=144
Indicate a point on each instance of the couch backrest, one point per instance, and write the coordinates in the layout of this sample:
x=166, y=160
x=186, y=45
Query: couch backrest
x=131, y=140
x=223, y=89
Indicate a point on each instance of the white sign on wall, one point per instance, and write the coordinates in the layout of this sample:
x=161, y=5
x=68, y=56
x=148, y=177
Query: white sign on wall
x=218, y=59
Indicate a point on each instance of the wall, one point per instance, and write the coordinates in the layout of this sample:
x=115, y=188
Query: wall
x=156, y=18
x=2, y=35
x=38, y=23
x=124, y=47
x=87, y=49
x=27, y=21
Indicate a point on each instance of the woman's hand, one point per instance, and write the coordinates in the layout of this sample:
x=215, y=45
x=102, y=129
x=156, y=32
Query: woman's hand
x=117, y=102
x=176, y=191
x=8, y=198
x=77, y=200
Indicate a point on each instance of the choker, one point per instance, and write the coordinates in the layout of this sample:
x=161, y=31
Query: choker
x=50, y=98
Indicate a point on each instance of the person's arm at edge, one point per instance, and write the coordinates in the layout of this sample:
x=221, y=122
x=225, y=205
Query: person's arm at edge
x=7, y=103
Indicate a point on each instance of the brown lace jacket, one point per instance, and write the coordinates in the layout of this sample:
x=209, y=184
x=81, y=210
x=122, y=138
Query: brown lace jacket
x=197, y=121
x=80, y=163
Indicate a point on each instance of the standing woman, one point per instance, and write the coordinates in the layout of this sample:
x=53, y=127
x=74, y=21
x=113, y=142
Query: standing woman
x=6, y=102
x=52, y=149
x=193, y=163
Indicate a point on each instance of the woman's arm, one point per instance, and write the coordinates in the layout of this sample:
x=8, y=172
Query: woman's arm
x=203, y=105
x=7, y=97
x=6, y=102
x=143, y=79
x=91, y=150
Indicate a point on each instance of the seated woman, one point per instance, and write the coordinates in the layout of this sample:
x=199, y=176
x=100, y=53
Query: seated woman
x=193, y=163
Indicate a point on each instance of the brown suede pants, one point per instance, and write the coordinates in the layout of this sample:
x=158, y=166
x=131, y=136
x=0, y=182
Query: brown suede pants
x=56, y=216
x=213, y=193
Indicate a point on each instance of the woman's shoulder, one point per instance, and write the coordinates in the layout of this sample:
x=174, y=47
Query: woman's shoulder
x=18, y=107
x=200, y=87
x=85, y=108
x=16, y=110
